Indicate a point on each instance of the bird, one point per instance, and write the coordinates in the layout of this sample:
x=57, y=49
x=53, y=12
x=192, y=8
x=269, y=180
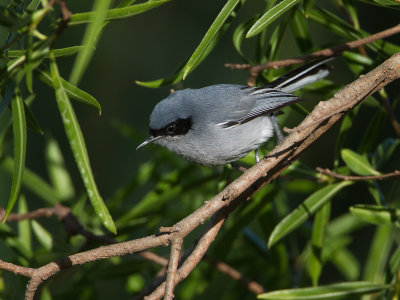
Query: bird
x=221, y=123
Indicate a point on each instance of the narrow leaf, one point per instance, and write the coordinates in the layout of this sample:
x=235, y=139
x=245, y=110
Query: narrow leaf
x=300, y=31
x=344, y=289
x=90, y=39
x=308, y=5
x=117, y=13
x=317, y=243
x=210, y=34
x=78, y=148
x=31, y=121
x=19, y=130
x=357, y=163
x=270, y=16
x=384, y=151
x=376, y=262
x=33, y=182
x=71, y=90
x=305, y=210
x=57, y=171
x=376, y=214
x=68, y=51
x=44, y=237
x=24, y=230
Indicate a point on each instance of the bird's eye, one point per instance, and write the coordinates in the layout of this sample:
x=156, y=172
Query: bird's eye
x=171, y=128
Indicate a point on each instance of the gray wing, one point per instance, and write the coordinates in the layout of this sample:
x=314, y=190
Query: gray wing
x=265, y=102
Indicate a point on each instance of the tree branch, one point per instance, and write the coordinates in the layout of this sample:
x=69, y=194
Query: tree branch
x=328, y=172
x=255, y=70
x=172, y=268
x=224, y=268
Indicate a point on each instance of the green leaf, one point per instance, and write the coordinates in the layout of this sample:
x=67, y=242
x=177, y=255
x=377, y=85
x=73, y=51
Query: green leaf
x=24, y=229
x=210, y=35
x=78, y=148
x=357, y=163
x=33, y=182
x=346, y=263
x=338, y=26
x=308, y=5
x=376, y=214
x=239, y=35
x=19, y=130
x=384, y=151
x=376, y=262
x=317, y=242
x=44, y=237
x=270, y=16
x=376, y=192
x=31, y=121
x=300, y=31
x=343, y=289
x=312, y=204
x=68, y=51
x=71, y=90
x=57, y=172
x=117, y=13
x=90, y=39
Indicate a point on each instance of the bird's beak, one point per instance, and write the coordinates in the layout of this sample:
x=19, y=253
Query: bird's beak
x=148, y=140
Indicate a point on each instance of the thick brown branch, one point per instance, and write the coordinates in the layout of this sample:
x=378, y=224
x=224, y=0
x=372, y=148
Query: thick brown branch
x=328, y=172
x=255, y=70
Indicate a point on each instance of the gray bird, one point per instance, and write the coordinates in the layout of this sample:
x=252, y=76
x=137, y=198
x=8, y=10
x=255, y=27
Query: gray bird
x=219, y=124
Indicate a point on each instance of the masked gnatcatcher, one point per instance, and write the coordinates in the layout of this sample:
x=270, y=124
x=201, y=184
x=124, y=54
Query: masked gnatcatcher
x=219, y=124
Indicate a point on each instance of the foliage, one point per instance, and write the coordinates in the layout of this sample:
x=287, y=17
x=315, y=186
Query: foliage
x=303, y=229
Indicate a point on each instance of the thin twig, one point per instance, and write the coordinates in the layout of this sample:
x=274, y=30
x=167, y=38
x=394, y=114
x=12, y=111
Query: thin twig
x=328, y=172
x=35, y=214
x=176, y=247
x=252, y=285
x=255, y=70
x=18, y=270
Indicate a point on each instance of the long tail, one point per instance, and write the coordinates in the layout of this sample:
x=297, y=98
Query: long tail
x=302, y=76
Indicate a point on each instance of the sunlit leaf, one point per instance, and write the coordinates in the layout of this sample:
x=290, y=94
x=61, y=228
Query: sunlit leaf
x=90, y=39
x=270, y=16
x=68, y=51
x=358, y=163
x=215, y=27
x=117, y=13
x=78, y=148
x=19, y=130
x=71, y=90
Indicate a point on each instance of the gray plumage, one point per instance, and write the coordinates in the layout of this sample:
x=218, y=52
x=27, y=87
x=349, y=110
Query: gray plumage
x=221, y=123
